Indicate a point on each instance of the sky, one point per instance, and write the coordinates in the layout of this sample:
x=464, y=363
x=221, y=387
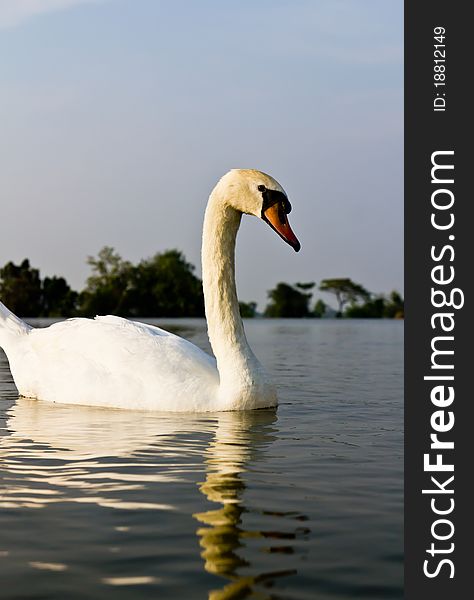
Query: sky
x=119, y=116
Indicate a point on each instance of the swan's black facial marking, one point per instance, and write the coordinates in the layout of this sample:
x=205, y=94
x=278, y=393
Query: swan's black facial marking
x=271, y=197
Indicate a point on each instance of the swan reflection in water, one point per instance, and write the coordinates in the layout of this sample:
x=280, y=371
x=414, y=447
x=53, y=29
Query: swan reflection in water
x=60, y=453
x=240, y=441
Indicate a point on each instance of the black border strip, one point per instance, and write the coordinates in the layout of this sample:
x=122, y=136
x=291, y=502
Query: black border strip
x=428, y=131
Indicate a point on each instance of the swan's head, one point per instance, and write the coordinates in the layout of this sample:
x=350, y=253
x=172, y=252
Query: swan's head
x=256, y=193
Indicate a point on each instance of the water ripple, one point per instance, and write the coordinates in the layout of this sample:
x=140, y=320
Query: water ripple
x=301, y=503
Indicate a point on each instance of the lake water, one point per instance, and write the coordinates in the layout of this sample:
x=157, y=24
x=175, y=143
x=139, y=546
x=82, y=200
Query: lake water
x=303, y=502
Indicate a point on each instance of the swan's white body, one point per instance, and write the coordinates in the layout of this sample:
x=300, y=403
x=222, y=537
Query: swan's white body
x=113, y=362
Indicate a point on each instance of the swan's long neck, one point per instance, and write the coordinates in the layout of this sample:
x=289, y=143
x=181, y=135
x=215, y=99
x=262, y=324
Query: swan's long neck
x=237, y=365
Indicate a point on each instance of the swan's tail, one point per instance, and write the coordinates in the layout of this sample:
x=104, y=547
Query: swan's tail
x=11, y=327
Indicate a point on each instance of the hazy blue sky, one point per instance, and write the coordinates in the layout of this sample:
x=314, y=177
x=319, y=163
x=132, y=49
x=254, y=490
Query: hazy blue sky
x=118, y=116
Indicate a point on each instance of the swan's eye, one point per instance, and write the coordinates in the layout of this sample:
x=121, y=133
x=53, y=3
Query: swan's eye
x=261, y=188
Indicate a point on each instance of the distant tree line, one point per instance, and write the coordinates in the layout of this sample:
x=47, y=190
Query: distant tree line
x=23, y=291
x=353, y=301
x=166, y=286
x=162, y=286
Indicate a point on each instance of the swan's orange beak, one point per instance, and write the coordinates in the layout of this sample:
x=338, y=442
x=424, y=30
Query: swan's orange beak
x=275, y=216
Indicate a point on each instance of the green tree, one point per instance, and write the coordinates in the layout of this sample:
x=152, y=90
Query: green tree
x=288, y=302
x=20, y=288
x=108, y=287
x=378, y=308
x=165, y=286
x=57, y=298
x=395, y=306
x=319, y=309
x=374, y=308
x=345, y=291
x=161, y=286
x=247, y=309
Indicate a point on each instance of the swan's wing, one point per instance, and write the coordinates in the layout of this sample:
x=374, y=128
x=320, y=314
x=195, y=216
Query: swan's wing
x=110, y=361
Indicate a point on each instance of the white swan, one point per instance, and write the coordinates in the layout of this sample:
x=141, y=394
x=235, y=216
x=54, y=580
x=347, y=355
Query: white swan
x=113, y=362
